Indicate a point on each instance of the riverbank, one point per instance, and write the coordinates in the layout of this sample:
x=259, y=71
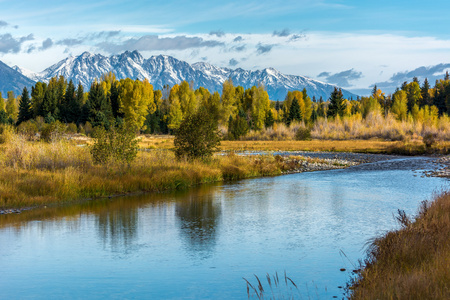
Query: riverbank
x=410, y=263
x=37, y=174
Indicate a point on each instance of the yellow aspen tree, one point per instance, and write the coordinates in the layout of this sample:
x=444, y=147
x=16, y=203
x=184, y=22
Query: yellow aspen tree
x=260, y=106
x=400, y=105
x=175, y=116
x=136, y=99
x=188, y=100
x=11, y=106
x=228, y=107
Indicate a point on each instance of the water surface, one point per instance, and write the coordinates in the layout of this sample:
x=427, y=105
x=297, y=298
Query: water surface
x=200, y=244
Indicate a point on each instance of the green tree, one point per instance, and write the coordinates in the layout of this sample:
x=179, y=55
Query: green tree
x=301, y=102
x=413, y=94
x=337, y=103
x=425, y=91
x=3, y=117
x=197, y=137
x=25, y=112
x=11, y=107
x=98, y=108
x=49, y=102
x=400, y=105
x=2, y=103
x=118, y=145
x=37, y=97
x=212, y=105
x=269, y=121
x=238, y=126
x=439, y=96
x=65, y=110
x=295, y=114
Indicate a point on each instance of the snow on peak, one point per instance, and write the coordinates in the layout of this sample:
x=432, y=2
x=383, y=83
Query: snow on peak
x=164, y=70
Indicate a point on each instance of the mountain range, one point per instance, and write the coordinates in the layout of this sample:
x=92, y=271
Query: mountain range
x=11, y=80
x=166, y=70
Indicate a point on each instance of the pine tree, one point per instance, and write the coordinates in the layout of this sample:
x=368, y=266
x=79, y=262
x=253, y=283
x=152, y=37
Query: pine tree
x=439, y=100
x=295, y=113
x=374, y=91
x=114, y=99
x=337, y=103
x=77, y=106
x=426, y=99
x=268, y=122
x=99, y=108
x=37, y=97
x=66, y=114
x=48, y=102
x=25, y=112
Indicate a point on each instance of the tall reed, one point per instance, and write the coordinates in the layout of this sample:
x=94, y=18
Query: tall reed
x=410, y=263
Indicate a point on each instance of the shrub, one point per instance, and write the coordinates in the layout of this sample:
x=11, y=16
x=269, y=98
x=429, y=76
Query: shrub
x=6, y=133
x=237, y=127
x=72, y=128
x=53, y=132
x=117, y=144
x=303, y=133
x=197, y=137
x=29, y=129
x=429, y=139
x=88, y=128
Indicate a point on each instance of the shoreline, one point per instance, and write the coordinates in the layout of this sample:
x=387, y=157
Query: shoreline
x=415, y=258
x=296, y=162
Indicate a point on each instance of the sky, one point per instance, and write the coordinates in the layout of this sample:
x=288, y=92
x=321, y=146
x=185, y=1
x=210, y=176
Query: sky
x=353, y=44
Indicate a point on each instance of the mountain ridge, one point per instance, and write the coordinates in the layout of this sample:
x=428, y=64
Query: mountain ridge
x=163, y=70
x=13, y=80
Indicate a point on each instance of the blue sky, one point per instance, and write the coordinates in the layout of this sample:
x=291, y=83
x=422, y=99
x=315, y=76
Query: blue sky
x=350, y=43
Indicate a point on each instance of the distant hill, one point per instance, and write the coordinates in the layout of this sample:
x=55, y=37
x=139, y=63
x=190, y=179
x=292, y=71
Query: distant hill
x=166, y=70
x=12, y=80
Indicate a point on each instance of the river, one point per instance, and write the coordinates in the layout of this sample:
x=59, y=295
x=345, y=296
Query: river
x=201, y=243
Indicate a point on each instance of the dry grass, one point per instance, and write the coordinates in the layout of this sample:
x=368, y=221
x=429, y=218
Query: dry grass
x=38, y=173
x=370, y=146
x=409, y=146
x=413, y=262
x=377, y=126
x=148, y=141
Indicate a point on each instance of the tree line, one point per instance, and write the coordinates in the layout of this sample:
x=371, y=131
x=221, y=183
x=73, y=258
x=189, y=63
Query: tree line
x=110, y=101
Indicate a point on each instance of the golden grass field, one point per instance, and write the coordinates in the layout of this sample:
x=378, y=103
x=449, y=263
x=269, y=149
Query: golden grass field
x=361, y=146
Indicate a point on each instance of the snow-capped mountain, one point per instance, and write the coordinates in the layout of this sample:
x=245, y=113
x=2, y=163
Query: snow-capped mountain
x=13, y=80
x=166, y=70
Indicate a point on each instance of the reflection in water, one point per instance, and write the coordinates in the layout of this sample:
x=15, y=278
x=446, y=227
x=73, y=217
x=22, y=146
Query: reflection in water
x=117, y=228
x=199, y=219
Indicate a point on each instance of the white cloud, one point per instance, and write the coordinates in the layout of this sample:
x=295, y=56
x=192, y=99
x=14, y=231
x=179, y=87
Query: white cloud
x=376, y=57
